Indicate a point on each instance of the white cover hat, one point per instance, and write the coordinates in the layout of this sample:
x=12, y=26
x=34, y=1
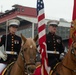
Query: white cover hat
x=13, y=22
x=53, y=22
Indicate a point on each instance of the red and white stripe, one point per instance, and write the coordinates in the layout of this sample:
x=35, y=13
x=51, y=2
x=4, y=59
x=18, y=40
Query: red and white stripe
x=42, y=42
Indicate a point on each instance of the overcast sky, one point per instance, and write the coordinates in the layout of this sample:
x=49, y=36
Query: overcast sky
x=54, y=9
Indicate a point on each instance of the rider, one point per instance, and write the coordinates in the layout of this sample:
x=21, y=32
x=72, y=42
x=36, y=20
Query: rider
x=11, y=42
x=54, y=43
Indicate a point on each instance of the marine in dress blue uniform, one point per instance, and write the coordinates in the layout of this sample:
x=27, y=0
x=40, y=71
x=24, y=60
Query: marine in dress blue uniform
x=54, y=45
x=13, y=43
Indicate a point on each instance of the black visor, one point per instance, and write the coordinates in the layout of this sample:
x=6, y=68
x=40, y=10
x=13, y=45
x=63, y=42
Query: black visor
x=15, y=26
x=54, y=25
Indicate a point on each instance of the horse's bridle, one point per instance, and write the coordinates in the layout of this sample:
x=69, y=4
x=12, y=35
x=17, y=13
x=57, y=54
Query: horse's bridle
x=26, y=71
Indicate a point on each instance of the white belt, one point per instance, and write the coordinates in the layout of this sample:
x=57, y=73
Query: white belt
x=53, y=52
x=11, y=52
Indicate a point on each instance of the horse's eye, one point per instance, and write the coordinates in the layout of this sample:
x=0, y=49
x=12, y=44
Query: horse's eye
x=24, y=49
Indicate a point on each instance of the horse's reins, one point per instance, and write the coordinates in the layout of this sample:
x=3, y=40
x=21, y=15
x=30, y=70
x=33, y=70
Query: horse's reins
x=25, y=65
x=69, y=68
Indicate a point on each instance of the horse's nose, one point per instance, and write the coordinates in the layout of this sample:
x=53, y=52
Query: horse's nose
x=31, y=69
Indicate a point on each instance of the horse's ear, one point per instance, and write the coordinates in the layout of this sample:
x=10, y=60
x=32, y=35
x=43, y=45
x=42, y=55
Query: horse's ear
x=36, y=37
x=23, y=38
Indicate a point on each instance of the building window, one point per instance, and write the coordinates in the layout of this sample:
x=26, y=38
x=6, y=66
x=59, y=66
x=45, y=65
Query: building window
x=22, y=9
x=18, y=9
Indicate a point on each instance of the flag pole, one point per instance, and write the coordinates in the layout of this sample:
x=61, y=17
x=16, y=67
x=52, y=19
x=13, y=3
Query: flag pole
x=42, y=37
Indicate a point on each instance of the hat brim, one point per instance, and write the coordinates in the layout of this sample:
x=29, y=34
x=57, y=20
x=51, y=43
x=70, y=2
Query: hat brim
x=15, y=26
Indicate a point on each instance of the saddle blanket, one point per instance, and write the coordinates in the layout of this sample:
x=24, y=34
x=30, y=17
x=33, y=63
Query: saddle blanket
x=2, y=66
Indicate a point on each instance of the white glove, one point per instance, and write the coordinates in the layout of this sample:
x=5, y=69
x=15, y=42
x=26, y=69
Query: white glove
x=38, y=48
x=62, y=56
x=3, y=55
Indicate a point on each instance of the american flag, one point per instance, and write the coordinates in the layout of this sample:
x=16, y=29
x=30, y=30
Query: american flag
x=42, y=37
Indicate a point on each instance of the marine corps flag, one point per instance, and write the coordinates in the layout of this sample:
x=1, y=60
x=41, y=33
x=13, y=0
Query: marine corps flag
x=73, y=25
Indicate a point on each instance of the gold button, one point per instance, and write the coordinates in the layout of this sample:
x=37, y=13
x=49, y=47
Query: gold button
x=11, y=47
x=12, y=39
x=54, y=47
x=12, y=36
x=12, y=52
x=12, y=44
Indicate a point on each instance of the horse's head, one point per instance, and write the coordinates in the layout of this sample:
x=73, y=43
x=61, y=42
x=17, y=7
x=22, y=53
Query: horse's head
x=28, y=52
